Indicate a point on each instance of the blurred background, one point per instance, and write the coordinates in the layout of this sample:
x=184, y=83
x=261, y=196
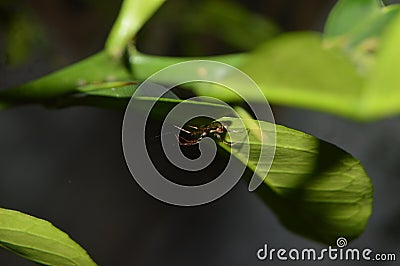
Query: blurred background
x=67, y=165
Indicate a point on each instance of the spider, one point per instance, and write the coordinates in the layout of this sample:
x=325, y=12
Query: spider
x=215, y=130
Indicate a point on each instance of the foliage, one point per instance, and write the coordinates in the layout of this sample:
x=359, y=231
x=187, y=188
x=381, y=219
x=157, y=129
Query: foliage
x=316, y=189
x=39, y=241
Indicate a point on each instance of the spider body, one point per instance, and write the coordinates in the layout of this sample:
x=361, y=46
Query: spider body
x=215, y=130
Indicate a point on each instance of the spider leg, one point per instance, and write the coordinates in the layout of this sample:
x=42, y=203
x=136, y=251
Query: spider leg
x=193, y=127
x=186, y=142
x=182, y=129
x=228, y=143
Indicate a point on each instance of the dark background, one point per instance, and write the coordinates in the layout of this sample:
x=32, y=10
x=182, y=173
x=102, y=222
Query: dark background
x=67, y=166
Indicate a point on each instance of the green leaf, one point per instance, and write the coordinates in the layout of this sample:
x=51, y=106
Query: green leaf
x=116, y=95
x=356, y=26
x=144, y=65
x=3, y=105
x=348, y=15
x=373, y=28
x=94, y=74
x=116, y=89
x=23, y=33
x=382, y=92
x=95, y=69
x=316, y=189
x=234, y=21
x=295, y=70
x=38, y=240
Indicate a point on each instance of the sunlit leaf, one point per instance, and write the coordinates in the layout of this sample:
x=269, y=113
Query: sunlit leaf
x=38, y=240
x=382, y=90
x=97, y=68
x=115, y=89
x=296, y=70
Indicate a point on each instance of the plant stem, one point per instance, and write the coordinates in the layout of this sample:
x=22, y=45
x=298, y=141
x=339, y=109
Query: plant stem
x=132, y=16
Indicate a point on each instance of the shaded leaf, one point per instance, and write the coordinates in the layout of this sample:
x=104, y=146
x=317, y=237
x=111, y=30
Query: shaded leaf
x=116, y=95
x=23, y=34
x=38, y=240
x=237, y=26
x=316, y=189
